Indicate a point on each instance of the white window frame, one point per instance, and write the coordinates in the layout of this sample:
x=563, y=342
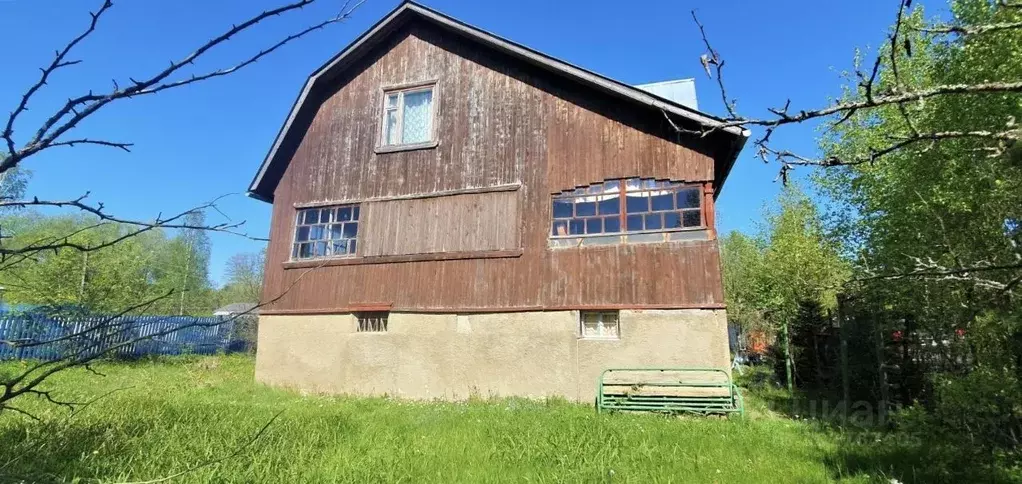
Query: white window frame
x=401, y=91
x=604, y=335
x=356, y=208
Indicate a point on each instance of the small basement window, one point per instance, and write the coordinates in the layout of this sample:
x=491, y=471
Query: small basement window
x=372, y=322
x=325, y=232
x=408, y=116
x=599, y=324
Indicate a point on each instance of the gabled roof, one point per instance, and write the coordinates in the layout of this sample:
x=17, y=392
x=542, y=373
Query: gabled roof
x=276, y=160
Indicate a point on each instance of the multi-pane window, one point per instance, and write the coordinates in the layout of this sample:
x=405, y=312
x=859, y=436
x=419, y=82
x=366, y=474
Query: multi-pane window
x=599, y=324
x=595, y=209
x=326, y=232
x=408, y=116
x=372, y=322
x=649, y=206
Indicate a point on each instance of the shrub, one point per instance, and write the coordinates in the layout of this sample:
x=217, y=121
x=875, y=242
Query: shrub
x=979, y=414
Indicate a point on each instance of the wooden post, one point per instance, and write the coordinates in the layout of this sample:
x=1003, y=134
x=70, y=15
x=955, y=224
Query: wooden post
x=85, y=276
x=882, y=372
x=787, y=360
x=845, y=379
x=709, y=217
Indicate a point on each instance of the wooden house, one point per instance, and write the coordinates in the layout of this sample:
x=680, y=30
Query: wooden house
x=458, y=214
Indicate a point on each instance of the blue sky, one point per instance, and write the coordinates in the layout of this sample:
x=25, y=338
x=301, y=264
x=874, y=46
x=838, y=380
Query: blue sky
x=203, y=141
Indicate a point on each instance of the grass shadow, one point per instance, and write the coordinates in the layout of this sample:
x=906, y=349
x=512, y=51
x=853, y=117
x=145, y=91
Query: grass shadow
x=59, y=450
x=896, y=457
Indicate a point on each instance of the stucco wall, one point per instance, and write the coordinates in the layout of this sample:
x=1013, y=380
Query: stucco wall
x=532, y=354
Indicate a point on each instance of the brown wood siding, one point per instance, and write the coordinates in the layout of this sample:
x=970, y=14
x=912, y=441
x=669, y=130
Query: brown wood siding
x=453, y=223
x=498, y=122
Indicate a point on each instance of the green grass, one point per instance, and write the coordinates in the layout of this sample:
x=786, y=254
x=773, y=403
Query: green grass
x=179, y=412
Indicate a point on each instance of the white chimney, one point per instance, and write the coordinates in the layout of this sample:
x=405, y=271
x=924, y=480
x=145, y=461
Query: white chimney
x=681, y=91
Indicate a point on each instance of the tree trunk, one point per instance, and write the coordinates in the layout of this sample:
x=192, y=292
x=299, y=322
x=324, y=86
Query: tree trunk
x=184, y=282
x=787, y=359
x=85, y=278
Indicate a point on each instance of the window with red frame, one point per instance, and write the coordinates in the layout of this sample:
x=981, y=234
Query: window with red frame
x=649, y=205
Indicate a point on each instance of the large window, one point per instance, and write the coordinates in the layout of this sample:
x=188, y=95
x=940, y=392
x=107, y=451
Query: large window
x=649, y=206
x=408, y=116
x=326, y=232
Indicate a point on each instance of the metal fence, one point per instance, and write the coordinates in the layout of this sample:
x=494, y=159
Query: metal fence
x=36, y=336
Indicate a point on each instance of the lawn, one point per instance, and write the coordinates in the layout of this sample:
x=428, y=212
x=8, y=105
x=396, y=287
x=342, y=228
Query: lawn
x=174, y=413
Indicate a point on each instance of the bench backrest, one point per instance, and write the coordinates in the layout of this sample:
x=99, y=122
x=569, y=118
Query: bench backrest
x=684, y=388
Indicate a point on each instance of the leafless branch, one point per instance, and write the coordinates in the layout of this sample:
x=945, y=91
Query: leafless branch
x=965, y=30
x=86, y=141
x=872, y=95
x=711, y=57
x=1006, y=138
x=58, y=62
x=885, y=99
x=22, y=412
x=927, y=268
x=138, y=227
x=79, y=108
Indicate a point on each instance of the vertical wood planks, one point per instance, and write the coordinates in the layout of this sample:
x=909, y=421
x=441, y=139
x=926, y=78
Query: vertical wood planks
x=498, y=122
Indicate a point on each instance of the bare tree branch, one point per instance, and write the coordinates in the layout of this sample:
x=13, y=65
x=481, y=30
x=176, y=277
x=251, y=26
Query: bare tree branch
x=930, y=269
x=713, y=58
x=58, y=62
x=871, y=96
x=888, y=98
x=86, y=141
x=963, y=30
x=793, y=159
x=77, y=109
x=11, y=255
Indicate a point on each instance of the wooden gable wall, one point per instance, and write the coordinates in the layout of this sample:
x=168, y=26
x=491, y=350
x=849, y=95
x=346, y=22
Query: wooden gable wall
x=501, y=125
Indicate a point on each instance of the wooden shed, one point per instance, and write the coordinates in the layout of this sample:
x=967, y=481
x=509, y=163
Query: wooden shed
x=457, y=214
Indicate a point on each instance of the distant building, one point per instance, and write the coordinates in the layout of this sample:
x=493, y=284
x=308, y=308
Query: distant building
x=237, y=308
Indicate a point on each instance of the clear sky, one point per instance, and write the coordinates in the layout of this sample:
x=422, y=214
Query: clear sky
x=203, y=141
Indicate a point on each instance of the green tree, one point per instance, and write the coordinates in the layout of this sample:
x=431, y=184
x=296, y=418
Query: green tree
x=105, y=280
x=933, y=220
x=934, y=226
x=800, y=264
x=742, y=265
x=183, y=267
x=244, y=273
x=789, y=262
x=13, y=183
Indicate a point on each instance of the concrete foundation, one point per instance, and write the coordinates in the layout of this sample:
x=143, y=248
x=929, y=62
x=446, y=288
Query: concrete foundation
x=454, y=356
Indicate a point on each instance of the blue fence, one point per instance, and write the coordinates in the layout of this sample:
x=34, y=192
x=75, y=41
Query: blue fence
x=35, y=336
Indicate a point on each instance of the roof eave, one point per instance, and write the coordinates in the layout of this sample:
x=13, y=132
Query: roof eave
x=736, y=148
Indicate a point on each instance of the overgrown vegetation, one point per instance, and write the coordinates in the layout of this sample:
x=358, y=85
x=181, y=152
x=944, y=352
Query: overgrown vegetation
x=167, y=415
x=931, y=234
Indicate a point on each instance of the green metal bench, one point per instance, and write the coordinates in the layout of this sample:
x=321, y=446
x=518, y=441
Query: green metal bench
x=671, y=390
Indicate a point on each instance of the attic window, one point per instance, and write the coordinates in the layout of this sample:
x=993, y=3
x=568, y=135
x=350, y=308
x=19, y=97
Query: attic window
x=408, y=117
